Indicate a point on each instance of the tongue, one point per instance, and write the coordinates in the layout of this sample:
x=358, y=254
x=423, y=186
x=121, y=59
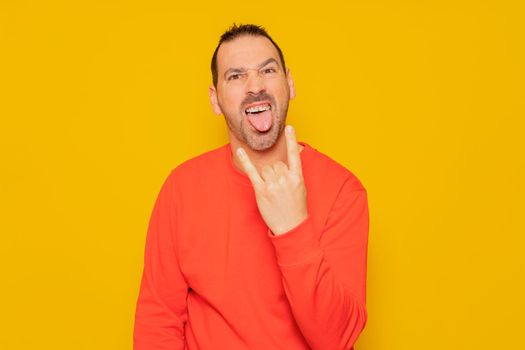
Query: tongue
x=261, y=121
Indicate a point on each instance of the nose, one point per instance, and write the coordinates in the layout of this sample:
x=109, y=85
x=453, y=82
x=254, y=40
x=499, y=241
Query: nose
x=255, y=83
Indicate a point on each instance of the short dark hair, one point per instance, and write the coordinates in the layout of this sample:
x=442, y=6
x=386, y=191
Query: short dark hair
x=234, y=32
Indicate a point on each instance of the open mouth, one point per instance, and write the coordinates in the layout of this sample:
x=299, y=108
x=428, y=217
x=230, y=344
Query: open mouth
x=260, y=116
x=258, y=109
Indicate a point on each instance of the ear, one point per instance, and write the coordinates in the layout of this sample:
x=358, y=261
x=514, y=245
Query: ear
x=214, y=101
x=290, y=83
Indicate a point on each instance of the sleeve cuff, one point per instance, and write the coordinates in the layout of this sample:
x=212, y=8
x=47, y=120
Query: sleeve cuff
x=297, y=245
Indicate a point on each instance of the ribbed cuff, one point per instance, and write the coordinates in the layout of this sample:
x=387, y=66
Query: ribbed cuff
x=296, y=245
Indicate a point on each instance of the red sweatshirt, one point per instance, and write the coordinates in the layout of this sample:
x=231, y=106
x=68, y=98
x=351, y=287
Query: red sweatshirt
x=215, y=277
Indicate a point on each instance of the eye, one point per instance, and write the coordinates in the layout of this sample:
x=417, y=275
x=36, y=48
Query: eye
x=269, y=70
x=234, y=76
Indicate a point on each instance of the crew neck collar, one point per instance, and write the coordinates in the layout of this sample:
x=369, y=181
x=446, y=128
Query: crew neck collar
x=241, y=178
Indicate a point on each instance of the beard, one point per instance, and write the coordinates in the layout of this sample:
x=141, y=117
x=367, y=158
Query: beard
x=244, y=132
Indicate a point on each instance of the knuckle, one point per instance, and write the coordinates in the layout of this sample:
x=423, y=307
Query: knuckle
x=266, y=168
x=295, y=179
x=269, y=190
x=277, y=167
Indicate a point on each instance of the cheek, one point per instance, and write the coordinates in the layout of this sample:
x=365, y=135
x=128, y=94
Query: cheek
x=280, y=89
x=231, y=100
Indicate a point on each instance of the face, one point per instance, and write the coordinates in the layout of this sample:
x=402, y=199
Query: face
x=250, y=74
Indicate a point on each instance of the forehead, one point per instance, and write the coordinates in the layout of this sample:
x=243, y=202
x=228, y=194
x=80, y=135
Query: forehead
x=245, y=51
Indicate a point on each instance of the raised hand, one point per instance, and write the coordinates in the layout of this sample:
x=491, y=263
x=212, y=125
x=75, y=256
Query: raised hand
x=279, y=189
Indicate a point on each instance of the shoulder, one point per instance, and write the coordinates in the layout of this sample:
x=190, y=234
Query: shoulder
x=201, y=167
x=325, y=169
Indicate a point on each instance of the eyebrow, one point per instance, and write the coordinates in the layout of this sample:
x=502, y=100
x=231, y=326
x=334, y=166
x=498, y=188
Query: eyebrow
x=239, y=70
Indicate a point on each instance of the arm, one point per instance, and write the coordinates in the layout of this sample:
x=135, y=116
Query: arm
x=325, y=279
x=161, y=306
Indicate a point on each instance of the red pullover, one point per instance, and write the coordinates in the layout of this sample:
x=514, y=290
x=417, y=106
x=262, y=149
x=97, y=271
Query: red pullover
x=215, y=277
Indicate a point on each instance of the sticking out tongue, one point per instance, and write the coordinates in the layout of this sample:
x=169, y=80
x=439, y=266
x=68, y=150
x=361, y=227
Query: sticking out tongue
x=261, y=121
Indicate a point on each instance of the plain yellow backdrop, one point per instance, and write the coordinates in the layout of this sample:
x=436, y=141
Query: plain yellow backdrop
x=423, y=100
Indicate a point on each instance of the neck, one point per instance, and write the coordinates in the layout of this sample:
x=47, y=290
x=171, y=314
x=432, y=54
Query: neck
x=259, y=159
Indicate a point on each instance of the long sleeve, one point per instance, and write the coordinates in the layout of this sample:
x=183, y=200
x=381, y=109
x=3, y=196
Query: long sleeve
x=325, y=278
x=161, y=309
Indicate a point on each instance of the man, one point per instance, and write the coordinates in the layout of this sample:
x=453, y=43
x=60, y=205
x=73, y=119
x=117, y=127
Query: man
x=262, y=242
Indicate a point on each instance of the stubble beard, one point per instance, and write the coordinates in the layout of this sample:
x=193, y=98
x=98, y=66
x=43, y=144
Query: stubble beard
x=256, y=140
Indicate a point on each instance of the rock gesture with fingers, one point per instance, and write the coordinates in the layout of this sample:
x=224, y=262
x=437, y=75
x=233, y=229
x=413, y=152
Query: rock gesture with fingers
x=279, y=189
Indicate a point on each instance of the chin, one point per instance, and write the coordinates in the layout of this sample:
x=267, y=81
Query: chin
x=262, y=142
x=261, y=146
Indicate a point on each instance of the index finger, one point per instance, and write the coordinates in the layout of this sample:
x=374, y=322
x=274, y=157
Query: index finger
x=249, y=168
x=294, y=159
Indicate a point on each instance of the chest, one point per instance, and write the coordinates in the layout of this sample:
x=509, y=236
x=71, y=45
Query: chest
x=225, y=250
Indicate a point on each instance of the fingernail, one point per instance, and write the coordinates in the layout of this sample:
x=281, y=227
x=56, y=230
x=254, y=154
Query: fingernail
x=240, y=152
x=289, y=129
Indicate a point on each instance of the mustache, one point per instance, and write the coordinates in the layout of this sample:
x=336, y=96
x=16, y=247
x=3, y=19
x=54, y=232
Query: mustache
x=257, y=98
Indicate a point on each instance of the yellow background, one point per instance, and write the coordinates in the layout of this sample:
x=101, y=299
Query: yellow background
x=422, y=100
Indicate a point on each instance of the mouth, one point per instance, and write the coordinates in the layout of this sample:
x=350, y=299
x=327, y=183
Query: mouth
x=257, y=108
x=260, y=116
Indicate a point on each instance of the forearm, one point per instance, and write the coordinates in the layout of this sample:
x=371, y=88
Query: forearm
x=328, y=313
x=324, y=273
x=157, y=327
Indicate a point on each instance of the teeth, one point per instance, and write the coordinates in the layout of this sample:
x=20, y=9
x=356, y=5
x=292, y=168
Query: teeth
x=258, y=109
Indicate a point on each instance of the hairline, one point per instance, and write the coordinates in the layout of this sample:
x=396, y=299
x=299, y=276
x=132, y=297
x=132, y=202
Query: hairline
x=216, y=52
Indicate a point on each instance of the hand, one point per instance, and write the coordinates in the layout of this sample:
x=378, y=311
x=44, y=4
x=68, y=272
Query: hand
x=279, y=190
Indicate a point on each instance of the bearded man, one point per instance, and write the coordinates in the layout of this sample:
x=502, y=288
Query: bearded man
x=260, y=243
